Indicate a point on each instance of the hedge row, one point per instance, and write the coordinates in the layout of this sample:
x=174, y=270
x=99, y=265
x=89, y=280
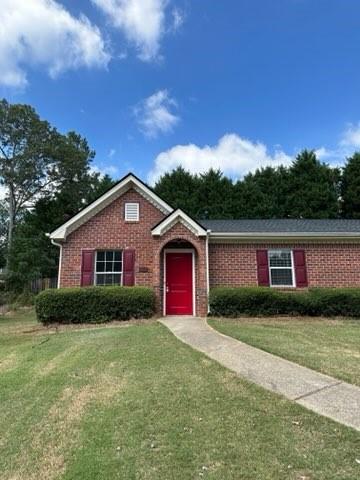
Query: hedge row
x=94, y=304
x=329, y=302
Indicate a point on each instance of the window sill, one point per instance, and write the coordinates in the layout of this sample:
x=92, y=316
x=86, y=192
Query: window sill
x=283, y=286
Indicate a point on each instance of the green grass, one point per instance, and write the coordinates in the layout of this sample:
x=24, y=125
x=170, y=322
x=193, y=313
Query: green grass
x=328, y=346
x=132, y=402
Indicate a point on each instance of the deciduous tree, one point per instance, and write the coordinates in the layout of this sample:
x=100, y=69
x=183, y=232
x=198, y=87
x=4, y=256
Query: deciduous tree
x=32, y=253
x=36, y=161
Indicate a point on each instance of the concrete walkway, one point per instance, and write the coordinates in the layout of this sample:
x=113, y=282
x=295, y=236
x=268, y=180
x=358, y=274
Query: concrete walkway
x=322, y=394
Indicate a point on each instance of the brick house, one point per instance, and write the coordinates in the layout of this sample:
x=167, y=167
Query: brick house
x=130, y=236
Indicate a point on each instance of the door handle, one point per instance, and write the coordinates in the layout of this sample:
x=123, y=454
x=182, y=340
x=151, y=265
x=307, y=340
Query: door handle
x=167, y=288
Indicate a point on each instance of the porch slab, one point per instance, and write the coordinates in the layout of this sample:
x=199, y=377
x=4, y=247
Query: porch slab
x=321, y=393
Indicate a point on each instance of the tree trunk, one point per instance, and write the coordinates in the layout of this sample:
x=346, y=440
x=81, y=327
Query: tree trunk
x=11, y=228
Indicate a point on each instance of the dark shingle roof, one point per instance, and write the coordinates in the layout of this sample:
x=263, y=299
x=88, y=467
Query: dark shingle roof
x=282, y=226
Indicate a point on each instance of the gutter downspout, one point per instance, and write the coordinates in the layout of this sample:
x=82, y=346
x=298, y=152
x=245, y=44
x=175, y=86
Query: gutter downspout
x=207, y=269
x=60, y=258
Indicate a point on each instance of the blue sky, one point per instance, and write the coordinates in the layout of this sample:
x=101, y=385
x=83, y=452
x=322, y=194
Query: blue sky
x=236, y=84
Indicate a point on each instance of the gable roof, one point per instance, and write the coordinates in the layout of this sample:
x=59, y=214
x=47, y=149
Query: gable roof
x=122, y=186
x=283, y=227
x=176, y=216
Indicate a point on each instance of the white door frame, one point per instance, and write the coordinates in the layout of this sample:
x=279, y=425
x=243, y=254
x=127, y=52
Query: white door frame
x=180, y=250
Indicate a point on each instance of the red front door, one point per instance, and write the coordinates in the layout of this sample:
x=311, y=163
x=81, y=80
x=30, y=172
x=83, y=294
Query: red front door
x=179, y=286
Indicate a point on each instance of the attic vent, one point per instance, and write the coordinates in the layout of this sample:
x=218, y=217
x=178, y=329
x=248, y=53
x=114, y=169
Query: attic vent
x=132, y=212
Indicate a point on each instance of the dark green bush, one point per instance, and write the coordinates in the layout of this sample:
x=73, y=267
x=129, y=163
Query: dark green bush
x=331, y=302
x=24, y=299
x=15, y=300
x=94, y=304
x=233, y=302
x=15, y=282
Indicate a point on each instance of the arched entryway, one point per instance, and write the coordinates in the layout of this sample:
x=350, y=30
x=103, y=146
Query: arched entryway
x=179, y=258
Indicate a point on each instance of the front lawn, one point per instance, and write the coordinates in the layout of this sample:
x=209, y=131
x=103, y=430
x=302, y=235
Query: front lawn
x=329, y=346
x=132, y=402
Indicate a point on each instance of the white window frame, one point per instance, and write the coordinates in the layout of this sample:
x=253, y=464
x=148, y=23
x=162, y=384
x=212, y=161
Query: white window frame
x=132, y=204
x=96, y=273
x=292, y=268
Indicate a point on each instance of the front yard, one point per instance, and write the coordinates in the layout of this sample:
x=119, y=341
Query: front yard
x=132, y=402
x=328, y=346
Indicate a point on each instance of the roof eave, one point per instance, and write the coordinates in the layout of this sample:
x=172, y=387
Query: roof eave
x=285, y=235
x=61, y=232
x=177, y=214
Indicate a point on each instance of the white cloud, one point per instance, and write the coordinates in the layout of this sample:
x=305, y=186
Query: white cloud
x=348, y=144
x=111, y=170
x=335, y=156
x=155, y=114
x=235, y=156
x=178, y=19
x=351, y=136
x=325, y=154
x=141, y=21
x=111, y=152
x=43, y=33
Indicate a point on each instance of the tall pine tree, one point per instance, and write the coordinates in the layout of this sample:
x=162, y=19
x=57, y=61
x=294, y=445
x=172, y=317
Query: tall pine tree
x=262, y=194
x=179, y=189
x=214, y=195
x=350, y=188
x=313, y=188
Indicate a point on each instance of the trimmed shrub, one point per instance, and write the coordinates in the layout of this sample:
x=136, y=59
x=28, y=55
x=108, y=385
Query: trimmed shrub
x=331, y=302
x=234, y=302
x=231, y=302
x=94, y=304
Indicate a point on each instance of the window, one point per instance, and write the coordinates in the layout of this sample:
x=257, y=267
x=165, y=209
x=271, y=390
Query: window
x=281, y=268
x=108, y=267
x=132, y=212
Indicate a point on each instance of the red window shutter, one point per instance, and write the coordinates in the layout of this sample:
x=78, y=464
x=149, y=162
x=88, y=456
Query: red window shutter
x=129, y=268
x=87, y=268
x=262, y=268
x=300, y=268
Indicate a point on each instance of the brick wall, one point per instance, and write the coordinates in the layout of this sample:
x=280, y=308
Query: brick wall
x=108, y=230
x=180, y=232
x=328, y=264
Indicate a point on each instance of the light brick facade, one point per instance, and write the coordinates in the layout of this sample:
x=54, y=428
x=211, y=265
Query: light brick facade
x=230, y=264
